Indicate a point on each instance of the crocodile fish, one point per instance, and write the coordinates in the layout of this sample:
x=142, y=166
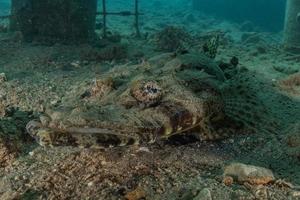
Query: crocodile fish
x=140, y=104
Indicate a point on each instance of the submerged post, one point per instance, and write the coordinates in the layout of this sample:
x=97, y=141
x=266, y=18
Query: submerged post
x=104, y=13
x=138, y=33
x=55, y=20
x=292, y=26
x=16, y=8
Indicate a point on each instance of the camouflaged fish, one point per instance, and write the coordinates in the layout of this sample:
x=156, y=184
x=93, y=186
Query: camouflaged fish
x=139, y=104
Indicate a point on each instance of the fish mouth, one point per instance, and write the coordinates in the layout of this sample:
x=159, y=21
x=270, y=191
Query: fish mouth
x=80, y=137
x=101, y=137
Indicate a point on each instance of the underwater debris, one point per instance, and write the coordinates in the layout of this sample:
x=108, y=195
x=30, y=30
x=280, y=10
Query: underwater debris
x=147, y=93
x=172, y=39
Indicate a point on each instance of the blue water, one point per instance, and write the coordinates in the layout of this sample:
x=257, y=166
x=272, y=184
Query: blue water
x=4, y=7
x=267, y=14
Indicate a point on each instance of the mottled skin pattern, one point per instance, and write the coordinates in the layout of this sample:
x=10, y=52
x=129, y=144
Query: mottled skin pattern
x=139, y=104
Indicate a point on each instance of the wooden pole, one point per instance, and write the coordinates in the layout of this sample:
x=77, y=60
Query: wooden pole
x=65, y=21
x=137, y=28
x=292, y=26
x=104, y=13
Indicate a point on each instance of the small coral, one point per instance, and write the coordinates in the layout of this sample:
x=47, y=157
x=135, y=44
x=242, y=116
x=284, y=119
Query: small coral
x=291, y=84
x=147, y=93
x=172, y=38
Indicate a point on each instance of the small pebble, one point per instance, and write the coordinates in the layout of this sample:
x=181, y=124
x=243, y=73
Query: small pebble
x=296, y=194
x=75, y=64
x=144, y=149
x=204, y=194
x=90, y=184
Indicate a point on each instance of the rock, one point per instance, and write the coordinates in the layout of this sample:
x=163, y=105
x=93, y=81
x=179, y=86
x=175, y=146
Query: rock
x=204, y=194
x=2, y=77
x=75, y=64
x=248, y=173
x=136, y=194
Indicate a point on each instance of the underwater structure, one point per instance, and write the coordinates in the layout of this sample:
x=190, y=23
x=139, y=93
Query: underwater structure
x=63, y=20
x=292, y=26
